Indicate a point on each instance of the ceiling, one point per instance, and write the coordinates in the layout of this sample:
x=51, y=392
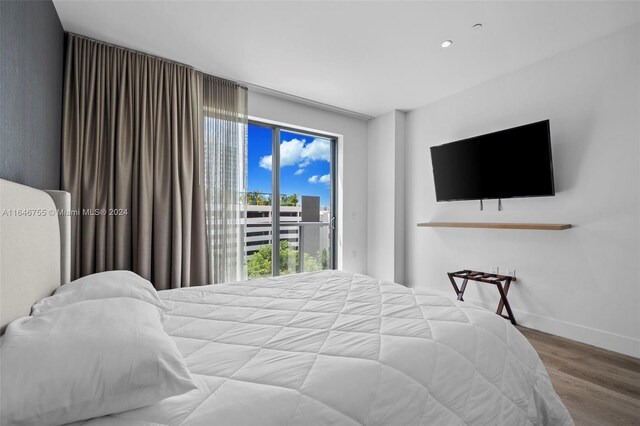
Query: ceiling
x=366, y=57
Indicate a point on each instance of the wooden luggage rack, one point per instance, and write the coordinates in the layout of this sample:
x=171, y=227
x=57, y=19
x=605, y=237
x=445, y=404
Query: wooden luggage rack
x=483, y=277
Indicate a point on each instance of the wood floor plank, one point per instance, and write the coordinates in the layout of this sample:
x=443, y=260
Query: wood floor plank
x=576, y=349
x=590, y=369
x=598, y=387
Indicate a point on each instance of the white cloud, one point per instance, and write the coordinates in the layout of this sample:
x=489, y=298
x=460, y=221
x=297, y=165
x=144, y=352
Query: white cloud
x=322, y=179
x=298, y=152
x=265, y=162
x=299, y=172
x=291, y=152
x=318, y=149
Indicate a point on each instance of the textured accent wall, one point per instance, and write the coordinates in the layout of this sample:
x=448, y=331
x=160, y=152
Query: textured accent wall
x=31, y=78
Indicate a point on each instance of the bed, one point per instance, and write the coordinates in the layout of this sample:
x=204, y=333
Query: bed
x=332, y=347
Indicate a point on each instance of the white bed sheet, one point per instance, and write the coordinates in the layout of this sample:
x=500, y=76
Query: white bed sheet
x=338, y=348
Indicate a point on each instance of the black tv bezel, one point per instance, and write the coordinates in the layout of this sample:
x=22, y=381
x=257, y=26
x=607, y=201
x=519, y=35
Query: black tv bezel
x=553, y=184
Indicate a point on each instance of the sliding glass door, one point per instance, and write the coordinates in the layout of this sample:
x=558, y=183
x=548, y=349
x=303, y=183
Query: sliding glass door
x=291, y=195
x=259, y=215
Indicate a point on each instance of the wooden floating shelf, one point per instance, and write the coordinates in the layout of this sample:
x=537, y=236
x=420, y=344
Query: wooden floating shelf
x=534, y=226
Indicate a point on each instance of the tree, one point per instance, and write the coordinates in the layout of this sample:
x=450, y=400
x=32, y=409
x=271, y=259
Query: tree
x=256, y=198
x=311, y=263
x=289, y=200
x=259, y=264
x=324, y=259
x=288, y=258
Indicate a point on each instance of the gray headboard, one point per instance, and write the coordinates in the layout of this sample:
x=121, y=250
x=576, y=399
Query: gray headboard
x=34, y=247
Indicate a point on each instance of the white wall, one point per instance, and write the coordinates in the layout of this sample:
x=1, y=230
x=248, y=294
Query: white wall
x=352, y=168
x=380, y=192
x=582, y=283
x=399, y=199
x=385, y=213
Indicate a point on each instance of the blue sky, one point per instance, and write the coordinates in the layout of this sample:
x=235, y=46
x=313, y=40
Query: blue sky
x=304, y=163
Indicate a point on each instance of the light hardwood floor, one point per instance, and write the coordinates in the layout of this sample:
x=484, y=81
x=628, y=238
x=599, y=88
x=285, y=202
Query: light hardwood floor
x=598, y=387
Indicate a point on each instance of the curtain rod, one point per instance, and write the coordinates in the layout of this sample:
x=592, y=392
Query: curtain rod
x=244, y=85
x=139, y=52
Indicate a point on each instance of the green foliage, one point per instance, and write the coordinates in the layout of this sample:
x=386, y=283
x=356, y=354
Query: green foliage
x=289, y=200
x=324, y=259
x=288, y=258
x=260, y=263
x=256, y=198
x=311, y=263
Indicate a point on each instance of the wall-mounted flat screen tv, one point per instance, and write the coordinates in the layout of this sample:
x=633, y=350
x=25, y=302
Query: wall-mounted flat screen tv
x=510, y=163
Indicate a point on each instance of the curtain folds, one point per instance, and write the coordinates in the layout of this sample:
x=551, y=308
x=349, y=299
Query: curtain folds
x=132, y=154
x=225, y=170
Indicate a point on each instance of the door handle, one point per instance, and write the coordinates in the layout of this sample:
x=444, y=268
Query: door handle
x=333, y=223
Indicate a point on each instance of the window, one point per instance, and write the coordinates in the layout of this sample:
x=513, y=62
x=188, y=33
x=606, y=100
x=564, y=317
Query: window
x=304, y=216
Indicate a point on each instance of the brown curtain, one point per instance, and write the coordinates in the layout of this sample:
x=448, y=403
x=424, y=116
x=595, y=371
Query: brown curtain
x=131, y=160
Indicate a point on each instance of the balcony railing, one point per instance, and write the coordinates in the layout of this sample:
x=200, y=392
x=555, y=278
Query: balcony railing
x=302, y=226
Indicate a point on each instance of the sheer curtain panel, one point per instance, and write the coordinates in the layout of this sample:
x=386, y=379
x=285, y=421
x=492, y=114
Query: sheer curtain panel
x=132, y=127
x=225, y=171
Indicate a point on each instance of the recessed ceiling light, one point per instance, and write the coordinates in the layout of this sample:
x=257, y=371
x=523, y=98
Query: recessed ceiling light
x=477, y=26
x=446, y=43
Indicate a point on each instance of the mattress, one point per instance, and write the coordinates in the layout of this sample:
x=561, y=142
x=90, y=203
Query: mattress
x=345, y=349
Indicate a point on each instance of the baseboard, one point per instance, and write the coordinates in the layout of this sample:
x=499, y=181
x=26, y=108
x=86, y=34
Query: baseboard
x=591, y=336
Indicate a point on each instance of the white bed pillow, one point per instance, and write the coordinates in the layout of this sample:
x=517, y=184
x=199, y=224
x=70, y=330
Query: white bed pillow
x=102, y=285
x=88, y=359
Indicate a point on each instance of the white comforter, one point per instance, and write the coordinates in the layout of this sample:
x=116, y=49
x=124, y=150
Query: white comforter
x=339, y=348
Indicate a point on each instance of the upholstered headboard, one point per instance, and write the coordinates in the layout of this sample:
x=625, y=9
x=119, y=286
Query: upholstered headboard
x=34, y=247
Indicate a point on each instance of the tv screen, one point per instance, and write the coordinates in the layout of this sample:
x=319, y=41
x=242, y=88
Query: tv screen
x=506, y=164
